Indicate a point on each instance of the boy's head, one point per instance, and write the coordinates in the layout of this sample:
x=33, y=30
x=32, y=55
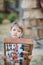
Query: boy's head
x=16, y=29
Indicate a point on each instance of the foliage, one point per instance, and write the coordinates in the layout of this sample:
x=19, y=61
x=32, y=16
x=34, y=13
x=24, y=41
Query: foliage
x=12, y=17
x=1, y=18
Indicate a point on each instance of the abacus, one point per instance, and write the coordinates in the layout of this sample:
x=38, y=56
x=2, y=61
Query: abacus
x=9, y=49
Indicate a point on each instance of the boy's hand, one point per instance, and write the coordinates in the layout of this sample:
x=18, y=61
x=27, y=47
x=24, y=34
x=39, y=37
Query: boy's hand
x=4, y=57
x=30, y=56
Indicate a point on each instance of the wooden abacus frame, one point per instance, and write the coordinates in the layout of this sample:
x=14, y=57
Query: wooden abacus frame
x=17, y=41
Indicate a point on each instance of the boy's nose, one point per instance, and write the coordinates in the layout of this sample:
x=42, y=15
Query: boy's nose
x=16, y=33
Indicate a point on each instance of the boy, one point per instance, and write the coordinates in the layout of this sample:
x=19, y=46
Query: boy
x=16, y=31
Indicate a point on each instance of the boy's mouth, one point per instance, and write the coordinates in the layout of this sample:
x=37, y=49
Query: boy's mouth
x=15, y=36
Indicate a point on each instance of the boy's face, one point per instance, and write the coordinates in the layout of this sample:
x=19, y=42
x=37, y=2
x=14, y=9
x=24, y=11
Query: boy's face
x=16, y=32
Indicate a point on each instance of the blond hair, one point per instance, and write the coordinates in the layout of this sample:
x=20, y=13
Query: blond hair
x=19, y=24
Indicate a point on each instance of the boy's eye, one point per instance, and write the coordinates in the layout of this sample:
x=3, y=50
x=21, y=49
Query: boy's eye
x=19, y=31
x=14, y=29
